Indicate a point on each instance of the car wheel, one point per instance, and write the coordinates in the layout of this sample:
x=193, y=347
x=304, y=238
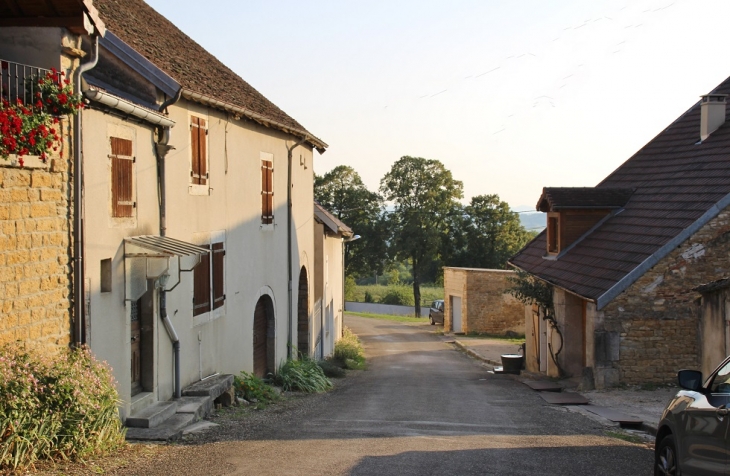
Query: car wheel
x=433, y=323
x=665, y=463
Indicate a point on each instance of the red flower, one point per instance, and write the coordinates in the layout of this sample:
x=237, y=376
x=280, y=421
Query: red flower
x=62, y=98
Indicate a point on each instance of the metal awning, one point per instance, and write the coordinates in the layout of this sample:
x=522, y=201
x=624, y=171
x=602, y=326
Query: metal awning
x=150, y=257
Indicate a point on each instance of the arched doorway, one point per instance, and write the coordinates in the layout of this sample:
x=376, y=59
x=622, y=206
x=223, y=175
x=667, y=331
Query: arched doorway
x=264, y=329
x=303, y=314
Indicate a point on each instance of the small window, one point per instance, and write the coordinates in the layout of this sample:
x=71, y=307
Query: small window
x=267, y=192
x=122, y=178
x=552, y=234
x=208, y=280
x=199, y=151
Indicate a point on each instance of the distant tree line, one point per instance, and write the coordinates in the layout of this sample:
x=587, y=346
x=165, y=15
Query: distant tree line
x=424, y=225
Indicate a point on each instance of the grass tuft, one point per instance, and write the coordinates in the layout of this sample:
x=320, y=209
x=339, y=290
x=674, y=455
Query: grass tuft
x=349, y=350
x=304, y=375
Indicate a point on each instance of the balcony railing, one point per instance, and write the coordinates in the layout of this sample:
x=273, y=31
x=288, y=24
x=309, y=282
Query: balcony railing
x=20, y=81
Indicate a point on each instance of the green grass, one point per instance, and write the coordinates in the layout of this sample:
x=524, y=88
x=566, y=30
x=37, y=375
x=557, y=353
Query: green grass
x=389, y=317
x=428, y=293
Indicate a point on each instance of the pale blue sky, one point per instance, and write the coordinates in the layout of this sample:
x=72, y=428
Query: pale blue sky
x=510, y=95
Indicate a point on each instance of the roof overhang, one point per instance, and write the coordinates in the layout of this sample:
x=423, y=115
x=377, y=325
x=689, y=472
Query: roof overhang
x=242, y=112
x=150, y=257
x=333, y=225
x=78, y=16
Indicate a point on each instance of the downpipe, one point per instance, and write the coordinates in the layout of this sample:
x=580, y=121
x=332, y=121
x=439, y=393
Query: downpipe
x=80, y=337
x=289, y=243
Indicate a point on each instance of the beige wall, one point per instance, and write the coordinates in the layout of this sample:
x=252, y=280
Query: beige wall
x=328, y=274
x=486, y=306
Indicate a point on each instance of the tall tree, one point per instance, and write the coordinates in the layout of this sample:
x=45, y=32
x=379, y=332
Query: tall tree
x=423, y=192
x=343, y=193
x=495, y=233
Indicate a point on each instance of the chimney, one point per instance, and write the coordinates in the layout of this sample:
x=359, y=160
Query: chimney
x=712, y=114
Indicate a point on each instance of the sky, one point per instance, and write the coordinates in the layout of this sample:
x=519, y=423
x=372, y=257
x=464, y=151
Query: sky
x=511, y=96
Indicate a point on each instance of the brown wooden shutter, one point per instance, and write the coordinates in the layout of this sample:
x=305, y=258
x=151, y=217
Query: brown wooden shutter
x=122, y=178
x=199, y=148
x=219, y=254
x=201, y=285
x=267, y=192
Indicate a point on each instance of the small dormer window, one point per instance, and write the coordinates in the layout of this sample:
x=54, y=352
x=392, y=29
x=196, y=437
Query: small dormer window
x=553, y=233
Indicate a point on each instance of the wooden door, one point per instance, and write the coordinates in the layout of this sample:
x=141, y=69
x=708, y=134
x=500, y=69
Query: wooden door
x=260, y=339
x=136, y=344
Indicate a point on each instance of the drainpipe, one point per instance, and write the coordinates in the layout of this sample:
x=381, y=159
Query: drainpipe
x=162, y=148
x=78, y=233
x=289, y=241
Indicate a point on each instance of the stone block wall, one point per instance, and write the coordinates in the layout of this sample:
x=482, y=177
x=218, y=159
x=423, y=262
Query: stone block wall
x=34, y=255
x=657, y=318
x=486, y=306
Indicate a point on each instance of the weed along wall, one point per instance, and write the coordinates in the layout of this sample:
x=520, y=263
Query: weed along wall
x=34, y=255
x=476, y=300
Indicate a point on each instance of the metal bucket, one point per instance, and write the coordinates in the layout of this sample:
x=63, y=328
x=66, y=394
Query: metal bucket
x=512, y=363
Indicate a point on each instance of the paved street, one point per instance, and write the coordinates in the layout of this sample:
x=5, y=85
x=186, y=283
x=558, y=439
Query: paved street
x=421, y=408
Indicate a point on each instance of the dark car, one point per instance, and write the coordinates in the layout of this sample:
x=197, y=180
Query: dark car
x=693, y=437
x=436, y=313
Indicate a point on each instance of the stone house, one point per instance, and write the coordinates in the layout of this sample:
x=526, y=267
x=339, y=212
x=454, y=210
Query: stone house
x=197, y=217
x=476, y=300
x=625, y=256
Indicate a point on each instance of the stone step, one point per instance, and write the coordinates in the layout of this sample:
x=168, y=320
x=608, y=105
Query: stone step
x=170, y=429
x=211, y=387
x=152, y=416
x=199, y=407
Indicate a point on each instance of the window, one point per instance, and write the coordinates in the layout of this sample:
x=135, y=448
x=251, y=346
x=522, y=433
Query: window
x=199, y=151
x=267, y=192
x=208, y=280
x=122, y=178
x=553, y=231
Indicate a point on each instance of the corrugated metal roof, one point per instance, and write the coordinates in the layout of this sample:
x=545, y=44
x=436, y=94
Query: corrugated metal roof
x=165, y=246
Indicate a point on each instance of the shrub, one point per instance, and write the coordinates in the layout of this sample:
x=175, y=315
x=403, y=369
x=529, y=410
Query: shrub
x=331, y=369
x=254, y=389
x=60, y=409
x=349, y=348
x=350, y=289
x=369, y=297
x=303, y=375
x=400, y=295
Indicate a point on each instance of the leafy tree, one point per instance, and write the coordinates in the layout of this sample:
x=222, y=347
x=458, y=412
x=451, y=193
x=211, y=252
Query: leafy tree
x=494, y=232
x=423, y=193
x=342, y=192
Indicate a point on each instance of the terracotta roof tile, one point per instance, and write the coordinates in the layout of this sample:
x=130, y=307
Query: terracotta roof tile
x=161, y=42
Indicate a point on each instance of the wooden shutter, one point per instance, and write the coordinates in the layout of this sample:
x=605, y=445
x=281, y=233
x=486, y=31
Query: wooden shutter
x=201, y=285
x=199, y=148
x=122, y=176
x=267, y=192
x=219, y=254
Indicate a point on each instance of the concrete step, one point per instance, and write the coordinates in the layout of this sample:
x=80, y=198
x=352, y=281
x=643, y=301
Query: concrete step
x=152, y=416
x=199, y=407
x=170, y=429
x=141, y=401
x=211, y=387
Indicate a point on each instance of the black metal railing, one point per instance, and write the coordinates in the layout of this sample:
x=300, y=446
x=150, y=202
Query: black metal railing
x=20, y=81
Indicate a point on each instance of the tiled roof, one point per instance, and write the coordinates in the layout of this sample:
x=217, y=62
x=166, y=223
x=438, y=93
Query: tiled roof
x=713, y=286
x=333, y=223
x=677, y=181
x=198, y=71
x=556, y=198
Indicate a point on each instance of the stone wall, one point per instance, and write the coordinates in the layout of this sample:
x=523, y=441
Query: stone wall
x=34, y=254
x=656, y=320
x=486, y=307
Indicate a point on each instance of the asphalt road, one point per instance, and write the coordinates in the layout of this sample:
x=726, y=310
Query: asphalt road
x=421, y=408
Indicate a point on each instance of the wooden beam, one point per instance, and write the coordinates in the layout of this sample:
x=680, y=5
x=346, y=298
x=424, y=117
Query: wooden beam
x=67, y=22
x=12, y=5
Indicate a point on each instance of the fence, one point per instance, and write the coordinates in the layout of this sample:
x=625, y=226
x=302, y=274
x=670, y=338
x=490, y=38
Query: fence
x=20, y=81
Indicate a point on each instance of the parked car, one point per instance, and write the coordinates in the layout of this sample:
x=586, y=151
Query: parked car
x=693, y=436
x=436, y=313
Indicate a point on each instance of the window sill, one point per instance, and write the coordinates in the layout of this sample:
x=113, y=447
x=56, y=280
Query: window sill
x=211, y=316
x=195, y=189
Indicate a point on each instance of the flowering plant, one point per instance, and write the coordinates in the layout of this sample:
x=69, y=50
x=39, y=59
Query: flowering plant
x=30, y=129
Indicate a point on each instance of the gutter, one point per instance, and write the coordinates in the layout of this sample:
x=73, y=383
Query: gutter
x=128, y=108
x=79, y=330
x=239, y=111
